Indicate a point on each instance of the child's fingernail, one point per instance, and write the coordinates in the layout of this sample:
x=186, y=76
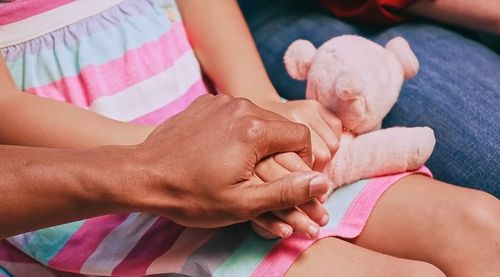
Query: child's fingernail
x=324, y=220
x=317, y=186
x=322, y=199
x=286, y=231
x=313, y=231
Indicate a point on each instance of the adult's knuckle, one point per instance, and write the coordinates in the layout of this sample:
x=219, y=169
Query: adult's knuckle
x=202, y=99
x=224, y=98
x=242, y=105
x=251, y=128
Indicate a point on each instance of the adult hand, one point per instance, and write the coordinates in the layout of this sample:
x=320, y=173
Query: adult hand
x=198, y=166
x=325, y=127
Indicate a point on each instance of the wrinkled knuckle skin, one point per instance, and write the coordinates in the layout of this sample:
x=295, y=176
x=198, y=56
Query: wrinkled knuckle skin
x=243, y=104
x=287, y=194
x=224, y=98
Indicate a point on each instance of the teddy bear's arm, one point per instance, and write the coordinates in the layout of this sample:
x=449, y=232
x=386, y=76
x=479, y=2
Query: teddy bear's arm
x=381, y=152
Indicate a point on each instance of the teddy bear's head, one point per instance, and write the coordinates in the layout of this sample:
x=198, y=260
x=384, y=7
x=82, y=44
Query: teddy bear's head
x=355, y=78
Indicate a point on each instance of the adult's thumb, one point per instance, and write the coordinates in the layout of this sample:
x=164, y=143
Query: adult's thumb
x=292, y=190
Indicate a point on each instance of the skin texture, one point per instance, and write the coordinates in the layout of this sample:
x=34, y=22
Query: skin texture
x=218, y=60
x=205, y=31
x=481, y=15
x=456, y=229
x=346, y=259
x=150, y=183
x=57, y=183
x=449, y=227
x=218, y=189
x=43, y=187
x=306, y=218
x=33, y=121
x=48, y=123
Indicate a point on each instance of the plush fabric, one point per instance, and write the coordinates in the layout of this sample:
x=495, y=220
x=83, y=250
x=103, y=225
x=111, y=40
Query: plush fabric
x=360, y=81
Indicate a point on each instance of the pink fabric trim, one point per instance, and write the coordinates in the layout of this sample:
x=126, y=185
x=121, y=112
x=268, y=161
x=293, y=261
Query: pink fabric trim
x=174, y=107
x=68, y=259
x=360, y=209
x=22, y=9
x=281, y=257
x=134, y=66
x=155, y=242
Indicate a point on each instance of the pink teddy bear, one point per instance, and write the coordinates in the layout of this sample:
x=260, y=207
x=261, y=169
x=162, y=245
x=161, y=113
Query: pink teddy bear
x=359, y=81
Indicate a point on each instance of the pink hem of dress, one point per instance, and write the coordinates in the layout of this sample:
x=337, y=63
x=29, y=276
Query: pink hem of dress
x=282, y=256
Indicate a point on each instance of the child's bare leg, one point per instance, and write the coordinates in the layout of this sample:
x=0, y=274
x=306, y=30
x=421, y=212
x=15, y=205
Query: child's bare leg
x=454, y=228
x=335, y=257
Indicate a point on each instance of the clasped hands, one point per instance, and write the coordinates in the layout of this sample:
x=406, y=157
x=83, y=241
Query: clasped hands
x=224, y=160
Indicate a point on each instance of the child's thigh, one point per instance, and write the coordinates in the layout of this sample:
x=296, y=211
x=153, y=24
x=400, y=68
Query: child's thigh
x=335, y=257
x=424, y=219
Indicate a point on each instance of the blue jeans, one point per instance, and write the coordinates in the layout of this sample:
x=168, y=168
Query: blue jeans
x=457, y=91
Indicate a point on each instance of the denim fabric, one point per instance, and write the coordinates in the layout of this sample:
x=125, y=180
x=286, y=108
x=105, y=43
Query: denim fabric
x=457, y=91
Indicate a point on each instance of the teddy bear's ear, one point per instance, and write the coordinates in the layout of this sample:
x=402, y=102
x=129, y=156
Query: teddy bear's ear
x=298, y=58
x=401, y=49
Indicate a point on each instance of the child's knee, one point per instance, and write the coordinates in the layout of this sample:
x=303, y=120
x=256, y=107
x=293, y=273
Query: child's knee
x=480, y=215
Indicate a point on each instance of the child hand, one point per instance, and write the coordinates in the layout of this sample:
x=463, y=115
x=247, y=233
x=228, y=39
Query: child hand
x=305, y=219
x=325, y=127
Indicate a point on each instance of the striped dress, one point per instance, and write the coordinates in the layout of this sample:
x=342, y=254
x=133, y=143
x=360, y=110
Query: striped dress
x=130, y=60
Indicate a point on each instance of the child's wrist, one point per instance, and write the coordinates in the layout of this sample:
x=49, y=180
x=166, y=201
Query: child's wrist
x=265, y=99
x=266, y=103
x=261, y=94
x=136, y=134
